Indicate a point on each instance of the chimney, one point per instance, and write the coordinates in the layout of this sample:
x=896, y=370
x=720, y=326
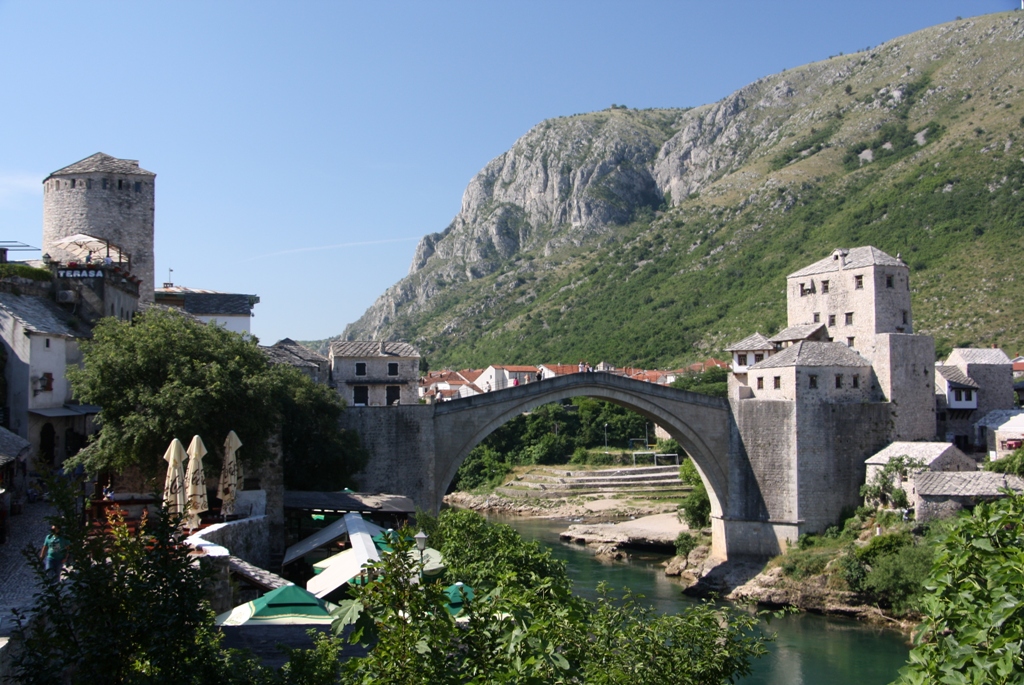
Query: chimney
x=382, y=348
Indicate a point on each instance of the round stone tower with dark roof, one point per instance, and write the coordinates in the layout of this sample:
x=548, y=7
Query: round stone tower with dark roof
x=107, y=198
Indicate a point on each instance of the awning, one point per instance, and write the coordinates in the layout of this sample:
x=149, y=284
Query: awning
x=363, y=552
x=348, y=501
x=66, y=410
x=81, y=245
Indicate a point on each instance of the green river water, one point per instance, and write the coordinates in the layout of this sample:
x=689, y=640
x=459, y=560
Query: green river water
x=809, y=649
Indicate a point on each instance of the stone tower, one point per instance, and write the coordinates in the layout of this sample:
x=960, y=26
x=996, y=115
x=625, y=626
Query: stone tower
x=107, y=198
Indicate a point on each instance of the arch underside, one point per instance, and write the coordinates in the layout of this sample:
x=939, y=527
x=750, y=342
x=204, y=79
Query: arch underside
x=709, y=455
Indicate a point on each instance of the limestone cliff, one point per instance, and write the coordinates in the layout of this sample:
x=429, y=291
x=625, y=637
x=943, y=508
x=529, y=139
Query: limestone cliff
x=702, y=189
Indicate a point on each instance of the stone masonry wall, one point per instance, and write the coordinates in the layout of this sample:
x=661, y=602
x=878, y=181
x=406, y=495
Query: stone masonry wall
x=768, y=433
x=399, y=440
x=905, y=367
x=833, y=442
x=122, y=215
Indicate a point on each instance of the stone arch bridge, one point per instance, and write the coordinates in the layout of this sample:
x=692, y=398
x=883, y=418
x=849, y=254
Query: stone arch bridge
x=417, y=449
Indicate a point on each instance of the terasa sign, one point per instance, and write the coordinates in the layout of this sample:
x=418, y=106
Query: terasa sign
x=79, y=273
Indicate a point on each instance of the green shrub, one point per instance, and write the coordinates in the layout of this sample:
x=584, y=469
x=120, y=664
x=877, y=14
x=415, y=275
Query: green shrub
x=882, y=545
x=580, y=456
x=685, y=543
x=1012, y=464
x=697, y=508
x=25, y=271
x=852, y=569
x=897, y=580
x=688, y=473
x=800, y=564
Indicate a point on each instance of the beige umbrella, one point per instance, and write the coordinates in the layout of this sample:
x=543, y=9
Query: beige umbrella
x=195, y=481
x=174, y=485
x=230, y=475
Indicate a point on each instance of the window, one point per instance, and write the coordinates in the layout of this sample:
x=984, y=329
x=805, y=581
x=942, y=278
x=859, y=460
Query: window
x=741, y=360
x=849, y=342
x=803, y=290
x=824, y=287
x=392, y=368
x=812, y=381
x=120, y=184
x=906, y=316
x=849, y=318
x=889, y=282
x=839, y=380
x=777, y=382
x=760, y=383
x=88, y=183
x=104, y=184
x=858, y=283
x=361, y=395
x=958, y=395
x=856, y=380
x=73, y=183
x=360, y=368
x=758, y=357
x=46, y=382
x=138, y=187
x=393, y=394
x=831, y=319
x=968, y=395
x=817, y=317
x=47, y=342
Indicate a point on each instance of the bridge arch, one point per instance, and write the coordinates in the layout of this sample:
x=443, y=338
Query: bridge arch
x=700, y=424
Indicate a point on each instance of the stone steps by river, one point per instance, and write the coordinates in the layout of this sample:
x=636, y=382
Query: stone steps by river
x=657, y=481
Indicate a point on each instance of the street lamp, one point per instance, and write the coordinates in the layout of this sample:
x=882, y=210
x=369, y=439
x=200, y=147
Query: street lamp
x=421, y=544
x=606, y=435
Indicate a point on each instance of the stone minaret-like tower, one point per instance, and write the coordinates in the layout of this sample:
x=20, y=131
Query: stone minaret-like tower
x=108, y=198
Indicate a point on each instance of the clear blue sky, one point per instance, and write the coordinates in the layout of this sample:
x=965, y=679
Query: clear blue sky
x=302, y=148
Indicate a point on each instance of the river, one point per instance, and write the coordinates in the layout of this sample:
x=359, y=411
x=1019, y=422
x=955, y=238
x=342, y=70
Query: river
x=808, y=650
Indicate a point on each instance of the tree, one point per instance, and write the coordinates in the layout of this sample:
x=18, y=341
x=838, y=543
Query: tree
x=129, y=610
x=166, y=375
x=1012, y=464
x=885, y=488
x=712, y=382
x=973, y=629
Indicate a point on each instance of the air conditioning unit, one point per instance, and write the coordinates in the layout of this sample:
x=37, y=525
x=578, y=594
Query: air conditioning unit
x=67, y=296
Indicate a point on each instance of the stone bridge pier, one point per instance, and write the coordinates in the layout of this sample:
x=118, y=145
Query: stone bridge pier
x=415, y=450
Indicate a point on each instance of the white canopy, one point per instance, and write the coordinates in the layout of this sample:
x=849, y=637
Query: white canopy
x=81, y=246
x=363, y=552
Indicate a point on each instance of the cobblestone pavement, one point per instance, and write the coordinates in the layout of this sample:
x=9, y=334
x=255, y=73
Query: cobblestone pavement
x=17, y=582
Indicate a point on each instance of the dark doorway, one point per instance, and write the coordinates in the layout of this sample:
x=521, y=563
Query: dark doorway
x=48, y=443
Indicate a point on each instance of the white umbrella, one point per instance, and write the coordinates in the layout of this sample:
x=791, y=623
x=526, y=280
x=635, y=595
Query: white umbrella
x=230, y=475
x=174, y=485
x=196, y=482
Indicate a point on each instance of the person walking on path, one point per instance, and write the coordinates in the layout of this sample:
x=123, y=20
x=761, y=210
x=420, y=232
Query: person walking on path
x=54, y=552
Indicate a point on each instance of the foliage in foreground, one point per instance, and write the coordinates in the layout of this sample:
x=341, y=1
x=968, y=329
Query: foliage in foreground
x=165, y=375
x=524, y=626
x=129, y=610
x=973, y=629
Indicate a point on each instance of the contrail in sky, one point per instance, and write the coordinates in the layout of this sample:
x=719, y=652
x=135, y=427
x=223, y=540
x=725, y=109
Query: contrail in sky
x=327, y=247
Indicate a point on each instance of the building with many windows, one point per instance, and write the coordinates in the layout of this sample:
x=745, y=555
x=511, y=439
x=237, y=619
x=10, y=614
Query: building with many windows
x=371, y=373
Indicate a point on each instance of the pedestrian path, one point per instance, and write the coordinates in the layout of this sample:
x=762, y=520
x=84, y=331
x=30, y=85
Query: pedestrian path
x=17, y=581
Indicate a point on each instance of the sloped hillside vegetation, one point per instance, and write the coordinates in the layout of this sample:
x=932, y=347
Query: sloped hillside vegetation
x=656, y=237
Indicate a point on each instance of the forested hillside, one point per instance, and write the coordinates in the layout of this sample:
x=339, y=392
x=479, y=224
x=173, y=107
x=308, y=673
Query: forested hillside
x=655, y=237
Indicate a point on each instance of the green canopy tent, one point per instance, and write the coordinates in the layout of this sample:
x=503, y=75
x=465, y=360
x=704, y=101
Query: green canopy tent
x=458, y=595
x=288, y=605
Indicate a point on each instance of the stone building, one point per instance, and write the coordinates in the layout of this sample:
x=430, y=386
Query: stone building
x=375, y=373
x=107, y=198
x=313, y=364
x=930, y=456
x=1001, y=431
x=232, y=311
x=969, y=385
x=941, y=494
x=847, y=377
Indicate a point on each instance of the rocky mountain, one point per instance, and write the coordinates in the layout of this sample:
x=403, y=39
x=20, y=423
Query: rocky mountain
x=655, y=236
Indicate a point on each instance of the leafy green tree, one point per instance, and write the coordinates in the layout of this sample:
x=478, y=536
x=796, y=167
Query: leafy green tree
x=165, y=375
x=1012, y=464
x=973, y=630
x=130, y=608
x=696, y=508
x=714, y=382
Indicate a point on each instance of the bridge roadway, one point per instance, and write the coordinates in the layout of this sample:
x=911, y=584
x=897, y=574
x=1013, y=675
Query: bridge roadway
x=417, y=449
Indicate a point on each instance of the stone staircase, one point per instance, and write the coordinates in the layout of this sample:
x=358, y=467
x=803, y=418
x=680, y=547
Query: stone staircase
x=653, y=482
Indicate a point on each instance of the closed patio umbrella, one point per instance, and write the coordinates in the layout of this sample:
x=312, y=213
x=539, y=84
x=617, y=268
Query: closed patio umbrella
x=229, y=475
x=174, y=485
x=195, y=481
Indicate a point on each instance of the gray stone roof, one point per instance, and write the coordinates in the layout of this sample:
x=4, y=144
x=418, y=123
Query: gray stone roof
x=287, y=351
x=955, y=376
x=983, y=355
x=39, y=315
x=102, y=163
x=856, y=258
x=808, y=353
x=224, y=304
x=801, y=332
x=751, y=343
x=999, y=417
x=965, y=483
x=12, y=446
x=372, y=348
x=924, y=452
